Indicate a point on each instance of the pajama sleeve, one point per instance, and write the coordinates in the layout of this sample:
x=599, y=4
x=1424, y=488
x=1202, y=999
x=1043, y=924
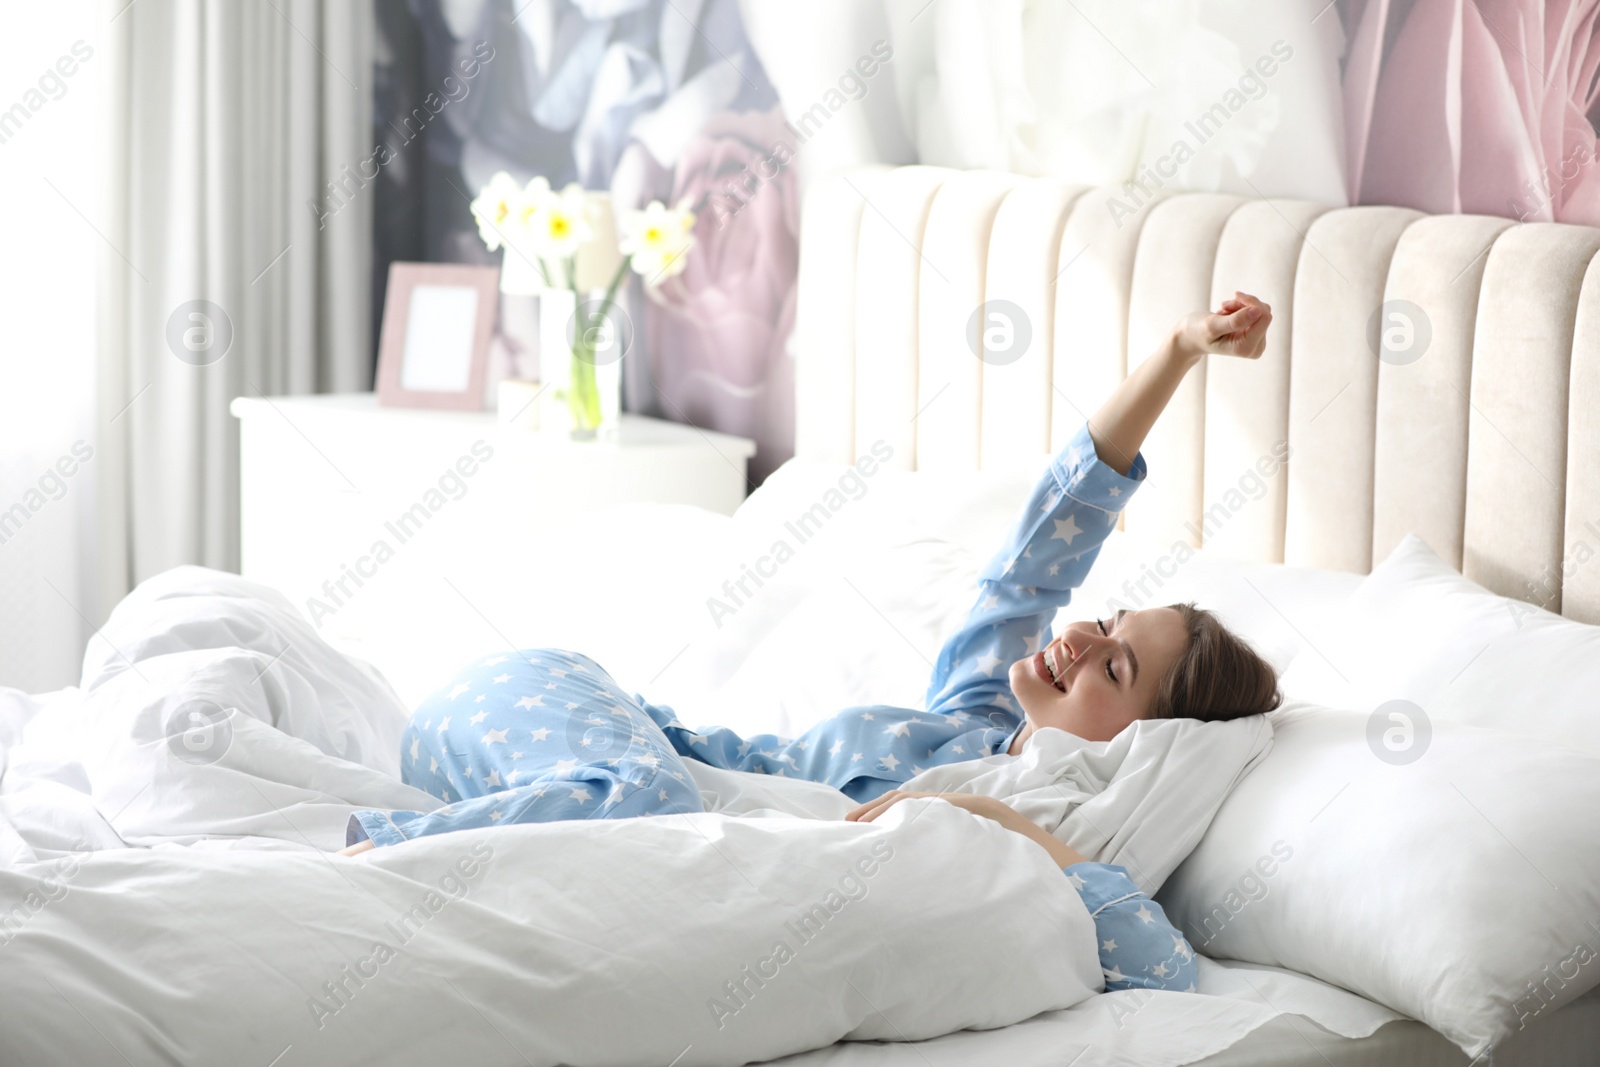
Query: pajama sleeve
x=1139, y=948
x=1045, y=557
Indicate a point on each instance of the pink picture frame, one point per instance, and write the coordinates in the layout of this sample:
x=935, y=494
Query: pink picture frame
x=433, y=350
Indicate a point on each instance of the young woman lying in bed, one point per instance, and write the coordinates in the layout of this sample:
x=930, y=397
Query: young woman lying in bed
x=490, y=743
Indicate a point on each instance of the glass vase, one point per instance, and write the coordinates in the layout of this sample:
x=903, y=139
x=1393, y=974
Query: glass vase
x=582, y=344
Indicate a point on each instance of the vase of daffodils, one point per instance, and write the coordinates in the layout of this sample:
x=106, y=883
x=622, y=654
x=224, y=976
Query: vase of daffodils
x=567, y=241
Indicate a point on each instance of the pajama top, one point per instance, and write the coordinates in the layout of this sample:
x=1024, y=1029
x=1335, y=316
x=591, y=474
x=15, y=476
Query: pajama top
x=970, y=711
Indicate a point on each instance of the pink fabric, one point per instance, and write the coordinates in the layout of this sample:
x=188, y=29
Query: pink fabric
x=717, y=333
x=1479, y=106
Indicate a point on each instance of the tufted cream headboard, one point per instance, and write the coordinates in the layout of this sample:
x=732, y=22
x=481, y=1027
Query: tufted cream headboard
x=1478, y=429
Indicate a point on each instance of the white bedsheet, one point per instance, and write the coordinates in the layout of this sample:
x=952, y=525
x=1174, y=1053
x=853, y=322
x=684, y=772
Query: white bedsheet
x=570, y=943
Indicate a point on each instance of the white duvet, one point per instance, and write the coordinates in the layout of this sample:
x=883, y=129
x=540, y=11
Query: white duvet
x=168, y=897
x=186, y=901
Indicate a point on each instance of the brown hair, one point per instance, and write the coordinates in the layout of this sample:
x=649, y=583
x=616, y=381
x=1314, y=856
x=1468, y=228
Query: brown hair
x=1218, y=677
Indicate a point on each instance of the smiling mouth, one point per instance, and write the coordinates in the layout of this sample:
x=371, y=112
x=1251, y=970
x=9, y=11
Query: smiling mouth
x=1046, y=667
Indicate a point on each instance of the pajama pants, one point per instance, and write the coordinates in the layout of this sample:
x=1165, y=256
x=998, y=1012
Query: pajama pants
x=536, y=736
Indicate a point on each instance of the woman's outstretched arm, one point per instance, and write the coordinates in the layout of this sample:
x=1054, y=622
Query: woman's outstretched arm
x=1119, y=428
x=1057, y=538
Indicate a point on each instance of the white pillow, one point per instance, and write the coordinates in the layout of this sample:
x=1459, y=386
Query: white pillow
x=833, y=585
x=1267, y=604
x=1417, y=631
x=866, y=592
x=1458, y=888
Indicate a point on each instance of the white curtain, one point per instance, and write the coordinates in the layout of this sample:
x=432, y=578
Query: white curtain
x=53, y=56
x=225, y=122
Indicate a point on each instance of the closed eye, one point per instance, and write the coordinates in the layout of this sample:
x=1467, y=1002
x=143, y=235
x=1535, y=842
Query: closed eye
x=1111, y=671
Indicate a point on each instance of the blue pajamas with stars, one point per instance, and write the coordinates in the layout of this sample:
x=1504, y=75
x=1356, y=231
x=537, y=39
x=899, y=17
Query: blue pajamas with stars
x=535, y=736
x=545, y=735
x=1139, y=948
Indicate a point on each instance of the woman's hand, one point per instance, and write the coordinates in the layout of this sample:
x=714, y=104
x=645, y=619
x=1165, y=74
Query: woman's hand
x=1119, y=428
x=357, y=849
x=989, y=807
x=1238, y=328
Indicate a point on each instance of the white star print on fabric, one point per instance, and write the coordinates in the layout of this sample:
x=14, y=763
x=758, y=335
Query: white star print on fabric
x=416, y=743
x=530, y=702
x=444, y=725
x=838, y=746
x=541, y=733
x=478, y=718
x=988, y=662
x=496, y=815
x=500, y=679
x=494, y=737
x=493, y=779
x=581, y=795
x=899, y=729
x=1144, y=914
x=1066, y=529
x=458, y=690
x=492, y=662
x=1109, y=946
x=565, y=765
x=889, y=762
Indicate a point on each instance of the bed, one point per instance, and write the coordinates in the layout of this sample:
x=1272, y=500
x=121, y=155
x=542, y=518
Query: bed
x=1483, y=444
x=1477, y=429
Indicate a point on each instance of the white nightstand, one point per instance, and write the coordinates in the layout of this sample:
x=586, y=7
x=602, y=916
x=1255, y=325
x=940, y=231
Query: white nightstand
x=338, y=495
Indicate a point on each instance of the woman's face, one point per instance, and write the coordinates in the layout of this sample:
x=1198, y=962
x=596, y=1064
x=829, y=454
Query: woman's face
x=1097, y=677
